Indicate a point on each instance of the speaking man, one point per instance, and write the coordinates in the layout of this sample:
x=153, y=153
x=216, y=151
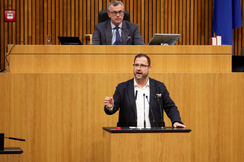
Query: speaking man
x=141, y=100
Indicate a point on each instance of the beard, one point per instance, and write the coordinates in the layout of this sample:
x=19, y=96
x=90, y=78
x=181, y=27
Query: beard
x=140, y=75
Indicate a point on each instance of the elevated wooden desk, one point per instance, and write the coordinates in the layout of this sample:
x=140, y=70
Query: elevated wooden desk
x=139, y=145
x=85, y=58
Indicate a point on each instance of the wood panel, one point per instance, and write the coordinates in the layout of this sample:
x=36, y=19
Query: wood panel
x=59, y=58
x=61, y=115
x=38, y=18
x=144, y=147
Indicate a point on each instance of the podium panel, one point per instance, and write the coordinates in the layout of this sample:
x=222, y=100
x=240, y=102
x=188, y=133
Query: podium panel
x=73, y=58
x=147, y=146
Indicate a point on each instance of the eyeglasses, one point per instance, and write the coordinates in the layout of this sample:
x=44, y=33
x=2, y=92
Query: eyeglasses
x=114, y=13
x=141, y=66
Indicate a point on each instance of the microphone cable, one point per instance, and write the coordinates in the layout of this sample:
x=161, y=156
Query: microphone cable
x=10, y=53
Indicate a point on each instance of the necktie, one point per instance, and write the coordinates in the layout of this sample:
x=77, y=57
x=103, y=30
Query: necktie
x=118, y=40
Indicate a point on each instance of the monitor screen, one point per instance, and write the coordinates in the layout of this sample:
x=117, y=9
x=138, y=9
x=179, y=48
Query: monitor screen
x=69, y=40
x=164, y=39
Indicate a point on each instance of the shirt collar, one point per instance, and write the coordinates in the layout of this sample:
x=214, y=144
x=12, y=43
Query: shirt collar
x=136, y=85
x=113, y=26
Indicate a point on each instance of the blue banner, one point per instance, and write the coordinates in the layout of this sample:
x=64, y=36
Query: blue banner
x=226, y=16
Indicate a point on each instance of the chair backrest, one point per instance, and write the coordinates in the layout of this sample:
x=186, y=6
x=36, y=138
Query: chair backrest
x=103, y=16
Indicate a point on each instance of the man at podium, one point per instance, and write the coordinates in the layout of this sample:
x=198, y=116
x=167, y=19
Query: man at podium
x=141, y=100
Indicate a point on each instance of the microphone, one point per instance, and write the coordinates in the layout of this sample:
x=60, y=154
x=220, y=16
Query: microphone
x=158, y=96
x=2, y=140
x=151, y=112
x=144, y=110
x=136, y=95
x=18, y=139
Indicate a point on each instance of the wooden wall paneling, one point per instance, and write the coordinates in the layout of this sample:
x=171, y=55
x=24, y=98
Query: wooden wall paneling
x=49, y=19
x=69, y=22
x=173, y=24
x=53, y=22
x=150, y=20
x=183, y=17
x=169, y=22
x=26, y=22
x=158, y=13
x=57, y=20
x=180, y=19
x=93, y=3
x=2, y=32
x=239, y=42
x=18, y=23
x=65, y=18
x=77, y=18
x=45, y=21
x=154, y=19
x=33, y=24
x=84, y=17
x=37, y=22
x=61, y=15
x=146, y=26
x=177, y=19
x=195, y=23
x=6, y=27
x=191, y=31
x=165, y=16
x=188, y=21
x=81, y=21
x=42, y=22
x=142, y=24
x=207, y=22
x=202, y=22
x=133, y=10
x=100, y=7
x=210, y=7
x=30, y=19
x=138, y=6
x=13, y=24
x=10, y=25
x=199, y=21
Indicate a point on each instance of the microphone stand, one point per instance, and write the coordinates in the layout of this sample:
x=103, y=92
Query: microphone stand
x=151, y=112
x=144, y=111
x=161, y=111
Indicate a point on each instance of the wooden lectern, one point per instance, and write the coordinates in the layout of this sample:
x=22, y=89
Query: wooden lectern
x=147, y=144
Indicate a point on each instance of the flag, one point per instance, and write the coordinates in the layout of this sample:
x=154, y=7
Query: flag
x=226, y=16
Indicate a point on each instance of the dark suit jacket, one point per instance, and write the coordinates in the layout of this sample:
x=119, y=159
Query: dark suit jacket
x=130, y=34
x=124, y=101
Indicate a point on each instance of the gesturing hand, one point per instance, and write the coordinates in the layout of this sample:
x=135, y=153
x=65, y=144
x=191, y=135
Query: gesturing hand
x=109, y=102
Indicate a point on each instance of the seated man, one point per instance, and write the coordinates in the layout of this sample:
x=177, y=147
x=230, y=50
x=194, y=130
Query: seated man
x=116, y=31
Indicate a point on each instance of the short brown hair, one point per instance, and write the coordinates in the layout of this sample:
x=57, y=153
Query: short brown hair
x=143, y=55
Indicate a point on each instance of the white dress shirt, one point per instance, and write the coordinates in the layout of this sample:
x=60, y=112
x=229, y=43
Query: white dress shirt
x=142, y=104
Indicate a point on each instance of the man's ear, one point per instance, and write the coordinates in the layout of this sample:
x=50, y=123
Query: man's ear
x=108, y=14
x=150, y=68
